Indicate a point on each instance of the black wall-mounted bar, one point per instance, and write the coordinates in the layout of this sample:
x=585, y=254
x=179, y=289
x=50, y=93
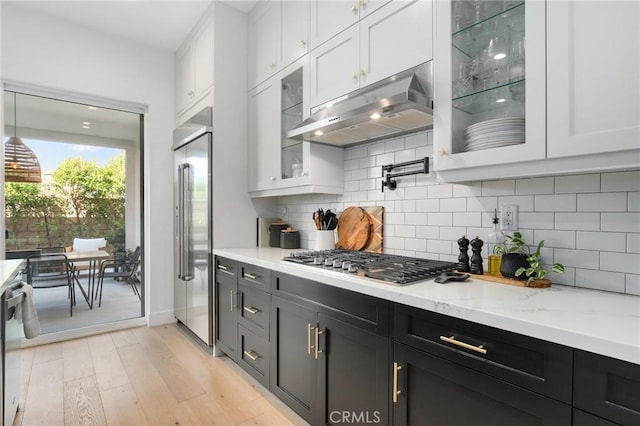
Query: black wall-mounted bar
x=392, y=184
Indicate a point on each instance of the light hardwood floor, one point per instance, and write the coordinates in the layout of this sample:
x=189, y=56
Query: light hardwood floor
x=141, y=376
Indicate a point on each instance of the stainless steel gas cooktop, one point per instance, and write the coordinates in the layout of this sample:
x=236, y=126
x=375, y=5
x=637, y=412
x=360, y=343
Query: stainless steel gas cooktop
x=385, y=267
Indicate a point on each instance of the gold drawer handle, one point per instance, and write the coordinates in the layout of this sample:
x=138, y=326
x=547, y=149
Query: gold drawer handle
x=224, y=268
x=317, y=346
x=251, y=310
x=252, y=355
x=396, y=367
x=250, y=276
x=309, y=345
x=453, y=341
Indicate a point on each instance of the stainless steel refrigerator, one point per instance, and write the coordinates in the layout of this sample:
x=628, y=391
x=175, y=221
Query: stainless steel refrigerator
x=193, y=282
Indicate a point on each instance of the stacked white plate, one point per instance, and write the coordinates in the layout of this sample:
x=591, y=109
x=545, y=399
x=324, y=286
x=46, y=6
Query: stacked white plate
x=495, y=133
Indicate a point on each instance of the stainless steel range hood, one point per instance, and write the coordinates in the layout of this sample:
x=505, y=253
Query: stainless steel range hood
x=396, y=105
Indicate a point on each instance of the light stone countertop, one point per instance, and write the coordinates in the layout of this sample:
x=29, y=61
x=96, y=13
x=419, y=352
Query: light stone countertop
x=8, y=271
x=596, y=321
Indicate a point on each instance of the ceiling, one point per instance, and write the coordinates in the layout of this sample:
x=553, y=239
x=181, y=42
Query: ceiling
x=162, y=24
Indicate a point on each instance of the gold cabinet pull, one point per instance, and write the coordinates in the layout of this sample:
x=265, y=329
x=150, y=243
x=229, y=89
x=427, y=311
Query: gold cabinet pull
x=252, y=355
x=221, y=266
x=251, y=309
x=453, y=341
x=250, y=276
x=309, y=346
x=317, y=346
x=396, y=367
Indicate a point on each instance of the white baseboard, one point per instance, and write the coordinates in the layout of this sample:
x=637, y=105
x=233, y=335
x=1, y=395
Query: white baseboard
x=160, y=318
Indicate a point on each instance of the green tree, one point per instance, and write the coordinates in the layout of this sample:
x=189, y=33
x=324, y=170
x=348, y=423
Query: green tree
x=33, y=200
x=94, y=192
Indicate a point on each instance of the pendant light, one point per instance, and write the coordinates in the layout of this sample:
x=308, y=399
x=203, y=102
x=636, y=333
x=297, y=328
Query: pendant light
x=20, y=163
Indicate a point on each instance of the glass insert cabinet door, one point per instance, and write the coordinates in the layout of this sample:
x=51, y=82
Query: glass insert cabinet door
x=485, y=101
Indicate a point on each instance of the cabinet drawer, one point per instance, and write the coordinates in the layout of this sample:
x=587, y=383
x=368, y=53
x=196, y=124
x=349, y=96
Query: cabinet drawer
x=254, y=276
x=226, y=267
x=253, y=311
x=580, y=418
x=361, y=310
x=253, y=355
x=534, y=364
x=607, y=387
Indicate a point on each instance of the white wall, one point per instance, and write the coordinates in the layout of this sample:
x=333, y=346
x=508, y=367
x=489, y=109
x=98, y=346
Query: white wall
x=590, y=222
x=40, y=51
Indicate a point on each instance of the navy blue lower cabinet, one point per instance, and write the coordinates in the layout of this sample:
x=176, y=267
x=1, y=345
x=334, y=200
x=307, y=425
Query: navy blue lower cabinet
x=432, y=390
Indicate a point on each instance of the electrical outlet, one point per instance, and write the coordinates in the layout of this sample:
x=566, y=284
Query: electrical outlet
x=509, y=217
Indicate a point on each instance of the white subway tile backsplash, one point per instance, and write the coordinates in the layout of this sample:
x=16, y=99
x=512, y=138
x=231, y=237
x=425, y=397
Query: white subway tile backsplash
x=415, y=244
x=577, y=258
x=440, y=191
x=416, y=192
x=621, y=181
x=482, y=204
x=632, y=284
x=474, y=189
x=556, y=239
x=428, y=232
x=498, y=187
x=633, y=243
x=611, y=202
x=633, y=204
x=590, y=222
x=621, y=222
x=603, y=241
x=439, y=246
x=452, y=233
x=439, y=219
x=428, y=205
x=601, y=280
x=416, y=140
x=416, y=218
x=555, y=203
x=578, y=221
x=620, y=262
x=453, y=205
x=467, y=219
x=534, y=186
x=536, y=220
x=577, y=183
x=524, y=202
x=405, y=231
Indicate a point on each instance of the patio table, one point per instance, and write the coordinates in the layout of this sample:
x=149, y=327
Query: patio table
x=92, y=257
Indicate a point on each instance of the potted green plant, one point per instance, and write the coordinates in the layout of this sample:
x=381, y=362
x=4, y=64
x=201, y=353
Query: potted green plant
x=519, y=262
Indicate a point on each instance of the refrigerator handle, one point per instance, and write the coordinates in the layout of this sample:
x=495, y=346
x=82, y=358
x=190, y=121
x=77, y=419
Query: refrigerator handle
x=188, y=266
x=180, y=218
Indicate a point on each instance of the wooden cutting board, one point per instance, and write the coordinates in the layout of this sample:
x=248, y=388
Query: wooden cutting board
x=360, y=228
x=353, y=229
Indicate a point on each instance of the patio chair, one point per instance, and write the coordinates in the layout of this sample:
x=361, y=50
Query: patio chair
x=52, y=270
x=124, y=269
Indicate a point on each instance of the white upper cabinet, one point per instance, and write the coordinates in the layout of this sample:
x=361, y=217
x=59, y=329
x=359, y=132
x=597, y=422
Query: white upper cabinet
x=264, y=136
x=396, y=37
x=335, y=68
x=593, y=77
x=328, y=18
x=489, y=96
x=280, y=166
x=576, y=88
x=194, y=66
x=294, y=31
x=263, y=40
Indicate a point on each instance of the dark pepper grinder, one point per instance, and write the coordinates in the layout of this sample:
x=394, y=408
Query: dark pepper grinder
x=463, y=257
x=476, y=258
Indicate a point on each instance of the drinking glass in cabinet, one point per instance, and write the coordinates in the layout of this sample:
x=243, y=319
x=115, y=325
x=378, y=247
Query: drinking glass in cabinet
x=488, y=74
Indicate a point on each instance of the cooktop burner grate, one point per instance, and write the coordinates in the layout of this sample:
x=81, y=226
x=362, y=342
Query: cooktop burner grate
x=385, y=267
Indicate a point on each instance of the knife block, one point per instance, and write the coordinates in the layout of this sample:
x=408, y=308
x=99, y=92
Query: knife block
x=325, y=240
